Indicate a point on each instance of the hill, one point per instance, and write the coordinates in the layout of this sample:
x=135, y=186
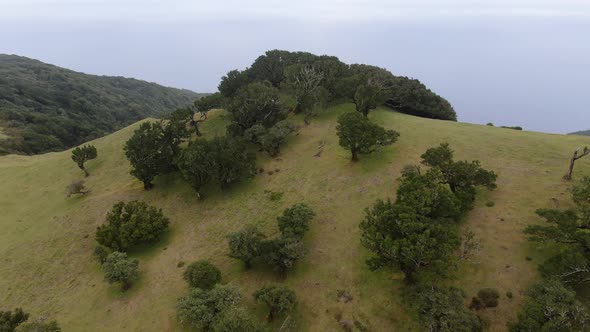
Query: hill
x=582, y=132
x=47, y=108
x=47, y=240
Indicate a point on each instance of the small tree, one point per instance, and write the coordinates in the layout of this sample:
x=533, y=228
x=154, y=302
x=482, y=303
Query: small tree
x=280, y=300
x=282, y=253
x=118, y=268
x=39, y=326
x=76, y=187
x=579, y=153
x=235, y=319
x=246, y=245
x=81, y=155
x=101, y=253
x=294, y=222
x=270, y=139
x=201, y=308
x=130, y=224
x=9, y=320
x=202, y=274
x=359, y=135
x=551, y=307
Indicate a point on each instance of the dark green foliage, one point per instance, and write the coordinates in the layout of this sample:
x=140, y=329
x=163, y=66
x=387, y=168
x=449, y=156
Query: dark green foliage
x=571, y=266
x=201, y=308
x=246, y=245
x=270, y=139
x=101, y=253
x=513, y=127
x=489, y=124
x=202, y=106
x=81, y=155
x=360, y=136
x=152, y=150
x=442, y=309
x=509, y=294
x=39, y=326
x=401, y=238
x=551, y=307
x=489, y=297
x=280, y=300
x=255, y=103
x=47, y=108
x=304, y=83
x=461, y=176
x=235, y=319
x=232, y=82
x=282, y=253
x=132, y=223
x=202, y=274
x=583, y=133
x=9, y=320
x=412, y=97
x=118, y=268
x=221, y=159
x=294, y=222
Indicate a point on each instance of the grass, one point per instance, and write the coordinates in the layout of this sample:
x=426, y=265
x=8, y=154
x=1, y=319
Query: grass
x=47, y=240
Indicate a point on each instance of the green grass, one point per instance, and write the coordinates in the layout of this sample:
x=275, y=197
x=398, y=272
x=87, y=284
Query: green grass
x=47, y=240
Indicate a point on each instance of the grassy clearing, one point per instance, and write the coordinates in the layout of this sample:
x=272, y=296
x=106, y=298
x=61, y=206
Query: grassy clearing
x=47, y=240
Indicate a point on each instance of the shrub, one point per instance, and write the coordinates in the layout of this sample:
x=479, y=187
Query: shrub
x=489, y=124
x=509, y=294
x=294, y=222
x=235, y=319
x=201, y=308
x=132, y=223
x=246, y=245
x=202, y=274
x=9, y=320
x=76, y=187
x=282, y=253
x=118, y=268
x=101, y=253
x=280, y=300
x=489, y=297
x=490, y=204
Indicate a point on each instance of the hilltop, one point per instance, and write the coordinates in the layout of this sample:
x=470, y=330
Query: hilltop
x=48, y=108
x=47, y=240
x=581, y=132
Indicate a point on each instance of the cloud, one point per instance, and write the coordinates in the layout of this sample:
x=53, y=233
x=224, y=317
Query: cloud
x=317, y=10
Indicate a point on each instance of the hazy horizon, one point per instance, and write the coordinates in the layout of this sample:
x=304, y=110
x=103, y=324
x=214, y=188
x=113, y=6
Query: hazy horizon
x=510, y=65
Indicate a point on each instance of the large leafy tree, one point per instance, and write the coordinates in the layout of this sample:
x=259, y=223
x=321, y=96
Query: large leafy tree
x=152, y=149
x=246, y=244
x=255, y=103
x=202, y=106
x=294, y=222
x=412, y=97
x=202, y=308
x=232, y=82
x=304, y=82
x=81, y=155
x=118, y=268
x=130, y=224
x=280, y=300
x=369, y=87
x=360, y=136
x=551, y=307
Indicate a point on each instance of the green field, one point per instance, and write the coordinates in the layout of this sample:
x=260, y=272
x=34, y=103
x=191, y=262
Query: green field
x=47, y=240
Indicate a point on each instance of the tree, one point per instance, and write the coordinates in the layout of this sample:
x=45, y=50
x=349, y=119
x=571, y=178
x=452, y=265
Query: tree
x=151, y=151
x=305, y=81
x=294, y=222
x=202, y=274
x=39, y=326
x=442, y=309
x=282, y=253
x=232, y=82
x=76, y=187
x=246, y=245
x=357, y=133
x=235, y=319
x=132, y=223
x=118, y=268
x=280, y=300
x=81, y=155
x=551, y=307
x=371, y=87
x=410, y=96
x=101, y=253
x=202, y=107
x=255, y=103
x=577, y=155
x=201, y=308
x=270, y=139
x=401, y=238
x=196, y=165
x=9, y=320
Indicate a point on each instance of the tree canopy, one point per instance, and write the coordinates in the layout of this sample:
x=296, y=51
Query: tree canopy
x=81, y=155
x=360, y=136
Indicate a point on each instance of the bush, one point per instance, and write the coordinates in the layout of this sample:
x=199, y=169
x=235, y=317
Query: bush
x=118, y=268
x=509, y=294
x=101, y=253
x=246, y=245
x=76, y=187
x=132, y=223
x=201, y=308
x=489, y=297
x=489, y=124
x=235, y=319
x=490, y=204
x=280, y=300
x=202, y=274
x=282, y=253
x=294, y=222
x=9, y=320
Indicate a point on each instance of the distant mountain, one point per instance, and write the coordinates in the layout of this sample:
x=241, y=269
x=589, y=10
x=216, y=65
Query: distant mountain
x=582, y=132
x=47, y=108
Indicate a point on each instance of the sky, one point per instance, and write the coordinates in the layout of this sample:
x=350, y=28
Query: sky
x=510, y=62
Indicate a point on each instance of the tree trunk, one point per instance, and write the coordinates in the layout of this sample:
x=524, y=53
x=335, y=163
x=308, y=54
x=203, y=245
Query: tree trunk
x=354, y=155
x=366, y=113
x=575, y=157
x=271, y=315
x=248, y=264
x=197, y=130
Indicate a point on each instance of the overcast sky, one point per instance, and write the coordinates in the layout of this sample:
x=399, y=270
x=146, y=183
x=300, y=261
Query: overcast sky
x=511, y=62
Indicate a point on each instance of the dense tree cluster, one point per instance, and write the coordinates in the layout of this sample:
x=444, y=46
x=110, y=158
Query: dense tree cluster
x=46, y=108
x=282, y=252
x=130, y=224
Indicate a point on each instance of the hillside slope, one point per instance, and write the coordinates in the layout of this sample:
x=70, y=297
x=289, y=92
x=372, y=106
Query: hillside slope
x=582, y=132
x=47, y=108
x=47, y=240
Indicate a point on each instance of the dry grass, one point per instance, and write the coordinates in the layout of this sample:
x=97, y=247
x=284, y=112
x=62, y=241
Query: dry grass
x=47, y=240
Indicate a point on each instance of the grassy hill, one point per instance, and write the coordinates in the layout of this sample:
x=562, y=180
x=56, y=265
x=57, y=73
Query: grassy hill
x=582, y=132
x=47, y=240
x=47, y=108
